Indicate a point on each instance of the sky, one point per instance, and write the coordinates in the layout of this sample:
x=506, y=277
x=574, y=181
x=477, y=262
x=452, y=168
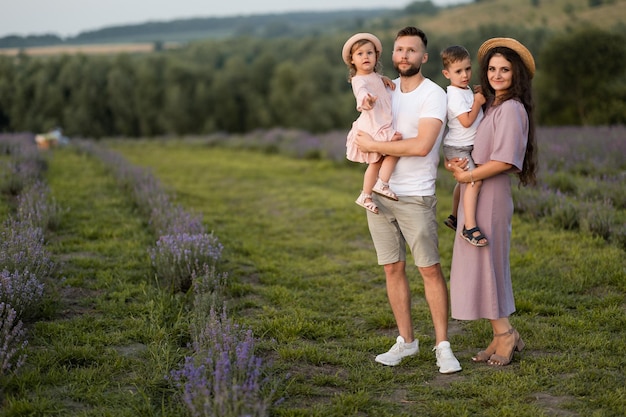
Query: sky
x=70, y=17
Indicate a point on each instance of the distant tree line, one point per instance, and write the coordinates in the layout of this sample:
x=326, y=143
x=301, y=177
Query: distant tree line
x=246, y=83
x=184, y=30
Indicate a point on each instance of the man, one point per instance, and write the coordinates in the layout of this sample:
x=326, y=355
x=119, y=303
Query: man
x=419, y=113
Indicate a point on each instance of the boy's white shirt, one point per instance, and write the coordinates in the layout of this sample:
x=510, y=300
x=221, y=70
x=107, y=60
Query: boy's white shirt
x=460, y=100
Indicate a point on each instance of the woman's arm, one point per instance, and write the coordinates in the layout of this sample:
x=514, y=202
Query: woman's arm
x=421, y=145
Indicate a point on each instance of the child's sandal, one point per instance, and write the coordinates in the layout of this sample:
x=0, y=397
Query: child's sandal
x=474, y=240
x=368, y=205
x=383, y=189
x=450, y=222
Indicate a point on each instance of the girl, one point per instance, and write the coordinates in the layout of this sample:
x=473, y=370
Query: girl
x=361, y=53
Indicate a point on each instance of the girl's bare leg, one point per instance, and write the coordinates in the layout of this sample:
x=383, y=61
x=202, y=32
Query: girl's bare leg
x=371, y=175
x=387, y=167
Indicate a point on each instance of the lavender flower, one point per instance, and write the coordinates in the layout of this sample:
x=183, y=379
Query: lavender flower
x=22, y=249
x=177, y=258
x=12, y=340
x=165, y=217
x=35, y=206
x=224, y=377
x=22, y=290
x=24, y=166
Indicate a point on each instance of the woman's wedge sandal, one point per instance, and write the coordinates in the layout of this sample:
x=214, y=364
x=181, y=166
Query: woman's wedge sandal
x=499, y=360
x=450, y=222
x=474, y=240
x=368, y=205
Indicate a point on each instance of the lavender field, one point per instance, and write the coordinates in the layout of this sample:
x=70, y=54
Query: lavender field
x=582, y=172
x=169, y=285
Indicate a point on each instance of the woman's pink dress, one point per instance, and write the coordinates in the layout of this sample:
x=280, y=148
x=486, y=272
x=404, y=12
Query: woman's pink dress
x=480, y=278
x=377, y=121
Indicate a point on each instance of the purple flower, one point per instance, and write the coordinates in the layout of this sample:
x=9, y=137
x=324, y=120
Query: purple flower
x=223, y=378
x=12, y=340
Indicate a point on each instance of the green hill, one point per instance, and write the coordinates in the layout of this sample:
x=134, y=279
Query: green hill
x=555, y=15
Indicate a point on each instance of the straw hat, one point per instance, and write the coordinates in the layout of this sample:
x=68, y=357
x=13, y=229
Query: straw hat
x=347, y=47
x=522, y=51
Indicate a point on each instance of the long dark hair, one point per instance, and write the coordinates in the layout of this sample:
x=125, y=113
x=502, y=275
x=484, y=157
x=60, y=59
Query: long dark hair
x=520, y=90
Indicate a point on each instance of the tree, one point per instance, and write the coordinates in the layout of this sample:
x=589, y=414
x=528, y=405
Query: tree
x=582, y=76
x=422, y=7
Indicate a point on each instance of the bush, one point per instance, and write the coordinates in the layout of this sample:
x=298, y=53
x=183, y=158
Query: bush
x=177, y=258
x=565, y=215
x=12, y=340
x=224, y=378
x=22, y=290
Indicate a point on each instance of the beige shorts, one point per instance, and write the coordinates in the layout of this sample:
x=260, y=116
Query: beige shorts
x=410, y=221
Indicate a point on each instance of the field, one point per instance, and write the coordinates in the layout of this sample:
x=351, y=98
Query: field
x=549, y=14
x=302, y=276
x=99, y=49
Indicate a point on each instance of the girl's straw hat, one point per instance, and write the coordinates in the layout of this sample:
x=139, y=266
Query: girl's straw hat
x=347, y=47
x=522, y=51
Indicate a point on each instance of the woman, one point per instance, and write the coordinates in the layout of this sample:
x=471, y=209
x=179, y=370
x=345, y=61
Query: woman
x=480, y=278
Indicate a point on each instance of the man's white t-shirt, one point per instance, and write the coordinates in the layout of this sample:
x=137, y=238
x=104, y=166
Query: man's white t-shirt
x=460, y=100
x=416, y=175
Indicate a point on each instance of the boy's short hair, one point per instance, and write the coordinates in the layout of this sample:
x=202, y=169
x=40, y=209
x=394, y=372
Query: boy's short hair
x=453, y=54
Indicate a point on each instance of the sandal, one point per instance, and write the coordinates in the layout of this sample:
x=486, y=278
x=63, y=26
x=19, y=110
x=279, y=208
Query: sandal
x=485, y=355
x=450, y=222
x=368, y=205
x=474, y=240
x=499, y=360
x=383, y=189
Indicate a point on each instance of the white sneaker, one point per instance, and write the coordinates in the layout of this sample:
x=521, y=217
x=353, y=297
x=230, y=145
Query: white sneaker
x=446, y=361
x=398, y=351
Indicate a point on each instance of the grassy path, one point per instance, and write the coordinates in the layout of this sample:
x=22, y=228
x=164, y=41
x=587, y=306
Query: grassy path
x=106, y=347
x=300, y=255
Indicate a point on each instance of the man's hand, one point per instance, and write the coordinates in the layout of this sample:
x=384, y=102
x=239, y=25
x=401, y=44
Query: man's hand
x=364, y=141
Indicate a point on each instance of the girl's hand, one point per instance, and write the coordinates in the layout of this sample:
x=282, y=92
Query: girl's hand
x=369, y=102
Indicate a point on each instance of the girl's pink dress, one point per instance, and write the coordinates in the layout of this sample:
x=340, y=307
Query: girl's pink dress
x=377, y=121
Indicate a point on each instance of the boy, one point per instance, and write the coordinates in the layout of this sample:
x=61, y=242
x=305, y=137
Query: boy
x=464, y=114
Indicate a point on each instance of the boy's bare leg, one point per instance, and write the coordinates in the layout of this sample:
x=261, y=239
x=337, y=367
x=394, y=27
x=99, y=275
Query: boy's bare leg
x=470, y=200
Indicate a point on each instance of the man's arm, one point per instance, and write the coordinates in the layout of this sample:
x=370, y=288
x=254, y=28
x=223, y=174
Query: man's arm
x=421, y=145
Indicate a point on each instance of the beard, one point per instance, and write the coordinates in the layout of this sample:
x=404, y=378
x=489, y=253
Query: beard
x=409, y=72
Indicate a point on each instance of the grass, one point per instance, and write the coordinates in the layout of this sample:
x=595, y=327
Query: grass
x=304, y=271
x=303, y=276
x=113, y=336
